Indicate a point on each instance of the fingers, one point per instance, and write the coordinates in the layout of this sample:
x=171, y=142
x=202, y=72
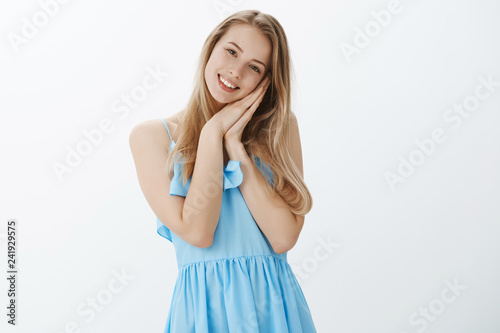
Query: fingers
x=248, y=105
x=260, y=90
x=264, y=83
x=259, y=99
x=248, y=114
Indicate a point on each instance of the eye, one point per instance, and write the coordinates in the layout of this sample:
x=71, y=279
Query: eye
x=256, y=69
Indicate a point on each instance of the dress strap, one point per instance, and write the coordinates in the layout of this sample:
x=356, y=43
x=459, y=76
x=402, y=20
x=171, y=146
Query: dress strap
x=166, y=128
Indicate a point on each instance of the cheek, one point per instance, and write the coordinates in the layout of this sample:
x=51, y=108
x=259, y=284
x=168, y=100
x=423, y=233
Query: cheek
x=210, y=63
x=255, y=84
x=210, y=69
x=217, y=57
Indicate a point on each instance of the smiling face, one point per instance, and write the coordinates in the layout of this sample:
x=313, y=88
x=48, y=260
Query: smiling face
x=240, y=58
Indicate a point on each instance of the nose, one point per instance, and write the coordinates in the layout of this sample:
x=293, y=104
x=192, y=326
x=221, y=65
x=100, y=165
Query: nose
x=235, y=71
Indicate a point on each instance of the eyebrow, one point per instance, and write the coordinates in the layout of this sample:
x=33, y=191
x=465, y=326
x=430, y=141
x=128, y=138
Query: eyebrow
x=241, y=50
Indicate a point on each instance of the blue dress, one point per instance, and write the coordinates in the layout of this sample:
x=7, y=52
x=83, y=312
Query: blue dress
x=239, y=284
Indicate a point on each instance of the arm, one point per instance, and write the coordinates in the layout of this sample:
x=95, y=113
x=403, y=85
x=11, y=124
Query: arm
x=204, y=198
x=193, y=218
x=270, y=211
x=149, y=144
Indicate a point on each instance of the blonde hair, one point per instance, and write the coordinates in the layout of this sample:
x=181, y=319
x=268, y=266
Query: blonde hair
x=267, y=134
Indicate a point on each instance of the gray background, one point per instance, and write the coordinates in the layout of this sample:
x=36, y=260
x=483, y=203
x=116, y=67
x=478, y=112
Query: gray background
x=394, y=251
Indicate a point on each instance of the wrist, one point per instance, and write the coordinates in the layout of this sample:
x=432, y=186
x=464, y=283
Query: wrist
x=235, y=151
x=211, y=131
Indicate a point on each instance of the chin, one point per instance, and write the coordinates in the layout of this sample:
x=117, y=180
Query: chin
x=220, y=99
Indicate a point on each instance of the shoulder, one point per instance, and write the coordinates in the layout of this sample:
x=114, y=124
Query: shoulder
x=149, y=132
x=153, y=131
x=293, y=124
x=294, y=142
x=292, y=116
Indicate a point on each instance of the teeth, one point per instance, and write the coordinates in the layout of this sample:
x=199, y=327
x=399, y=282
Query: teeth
x=227, y=84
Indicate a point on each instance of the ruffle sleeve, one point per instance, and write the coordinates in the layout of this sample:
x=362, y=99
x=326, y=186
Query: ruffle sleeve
x=163, y=230
x=232, y=178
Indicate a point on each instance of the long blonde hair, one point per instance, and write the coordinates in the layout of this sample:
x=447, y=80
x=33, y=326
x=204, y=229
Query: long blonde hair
x=267, y=134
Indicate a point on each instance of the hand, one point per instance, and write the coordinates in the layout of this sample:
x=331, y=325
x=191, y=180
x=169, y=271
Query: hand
x=232, y=119
x=234, y=133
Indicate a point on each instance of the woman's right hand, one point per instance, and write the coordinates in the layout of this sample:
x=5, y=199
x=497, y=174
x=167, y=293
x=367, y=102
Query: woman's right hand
x=228, y=115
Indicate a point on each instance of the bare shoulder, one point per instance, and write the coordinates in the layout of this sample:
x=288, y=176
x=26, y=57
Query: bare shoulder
x=293, y=123
x=153, y=131
x=294, y=142
x=149, y=132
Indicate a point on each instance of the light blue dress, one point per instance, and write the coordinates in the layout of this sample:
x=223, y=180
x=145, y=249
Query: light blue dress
x=239, y=284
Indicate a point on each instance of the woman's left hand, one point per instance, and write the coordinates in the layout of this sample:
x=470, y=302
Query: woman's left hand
x=232, y=137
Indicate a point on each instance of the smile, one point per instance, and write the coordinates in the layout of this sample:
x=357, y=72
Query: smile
x=226, y=84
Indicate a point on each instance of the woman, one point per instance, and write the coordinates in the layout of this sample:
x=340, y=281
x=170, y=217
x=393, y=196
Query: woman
x=225, y=180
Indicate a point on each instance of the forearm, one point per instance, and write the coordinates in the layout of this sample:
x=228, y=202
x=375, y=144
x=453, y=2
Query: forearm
x=271, y=213
x=204, y=199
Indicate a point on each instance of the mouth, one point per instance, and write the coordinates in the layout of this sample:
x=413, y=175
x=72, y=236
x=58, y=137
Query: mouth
x=226, y=85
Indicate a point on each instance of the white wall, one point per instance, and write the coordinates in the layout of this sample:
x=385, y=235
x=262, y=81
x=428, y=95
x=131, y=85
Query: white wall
x=394, y=250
